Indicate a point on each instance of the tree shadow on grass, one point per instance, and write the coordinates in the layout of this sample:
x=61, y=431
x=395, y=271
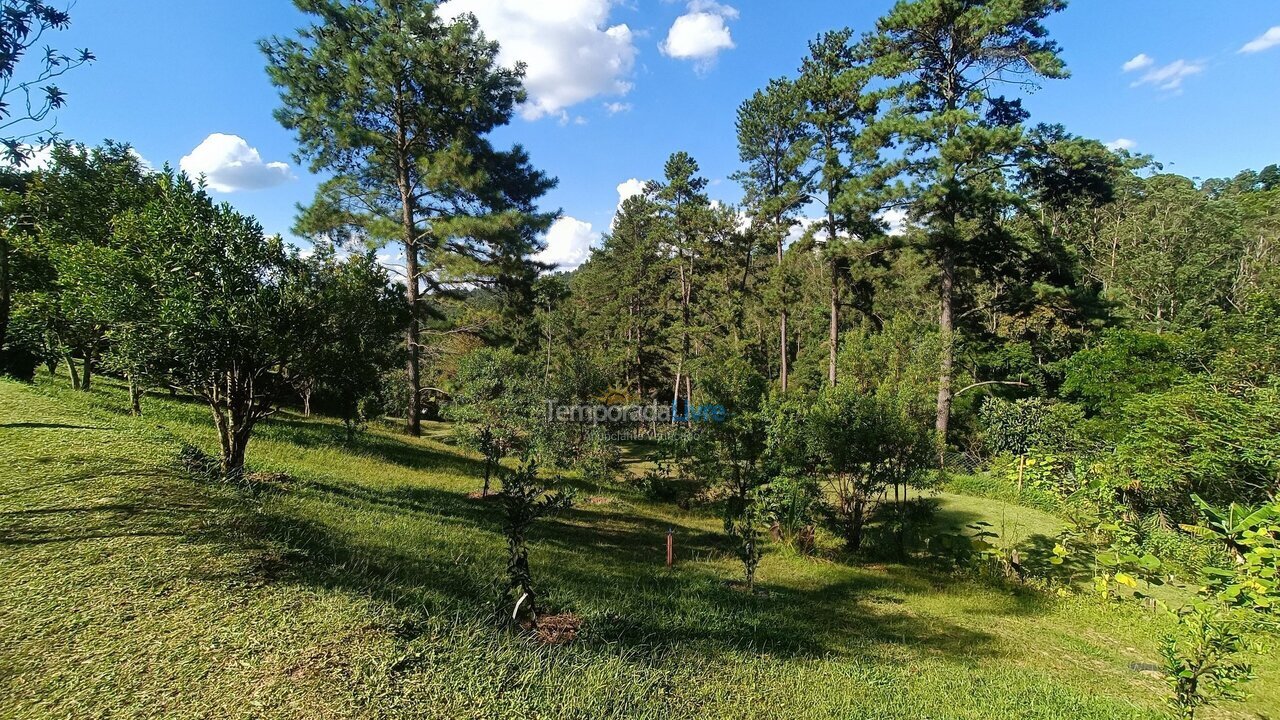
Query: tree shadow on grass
x=157, y=510
x=49, y=426
x=375, y=445
x=607, y=566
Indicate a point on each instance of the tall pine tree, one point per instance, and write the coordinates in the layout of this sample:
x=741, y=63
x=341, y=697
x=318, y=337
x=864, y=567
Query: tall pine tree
x=396, y=106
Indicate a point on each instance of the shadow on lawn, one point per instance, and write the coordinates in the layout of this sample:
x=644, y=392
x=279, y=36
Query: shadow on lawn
x=606, y=565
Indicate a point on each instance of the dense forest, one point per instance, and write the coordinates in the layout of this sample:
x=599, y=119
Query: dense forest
x=923, y=288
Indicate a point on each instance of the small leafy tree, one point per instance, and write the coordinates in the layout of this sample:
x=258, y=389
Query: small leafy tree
x=493, y=405
x=355, y=318
x=1022, y=427
x=862, y=444
x=85, y=284
x=525, y=499
x=731, y=449
x=219, y=323
x=1201, y=659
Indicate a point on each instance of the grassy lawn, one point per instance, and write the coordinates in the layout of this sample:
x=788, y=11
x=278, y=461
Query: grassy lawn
x=367, y=588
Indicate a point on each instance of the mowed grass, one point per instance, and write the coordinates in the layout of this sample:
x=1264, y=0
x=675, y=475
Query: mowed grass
x=367, y=588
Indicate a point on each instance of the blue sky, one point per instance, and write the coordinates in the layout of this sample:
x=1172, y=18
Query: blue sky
x=617, y=85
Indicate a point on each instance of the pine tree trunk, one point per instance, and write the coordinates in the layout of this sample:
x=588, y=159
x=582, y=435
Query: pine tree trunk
x=410, y=230
x=946, y=333
x=412, y=338
x=834, y=330
x=782, y=332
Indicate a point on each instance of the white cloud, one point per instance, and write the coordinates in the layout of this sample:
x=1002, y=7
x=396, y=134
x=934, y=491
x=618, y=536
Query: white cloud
x=700, y=34
x=570, y=53
x=627, y=189
x=896, y=219
x=569, y=242
x=1122, y=144
x=41, y=156
x=1170, y=77
x=229, y=164
x=614, y=108
x=1265, y=41
x=1140, y=61
x=144, y=163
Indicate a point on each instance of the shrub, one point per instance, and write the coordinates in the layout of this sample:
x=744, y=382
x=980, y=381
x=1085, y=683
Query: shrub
x=1200, y=659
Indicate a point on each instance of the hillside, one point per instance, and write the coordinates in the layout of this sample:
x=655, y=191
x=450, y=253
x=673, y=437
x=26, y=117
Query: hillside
x=362, y=587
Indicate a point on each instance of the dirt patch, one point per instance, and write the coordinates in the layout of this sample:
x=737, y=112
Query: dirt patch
x=558, y=629
x=598, y=500
x=479, y=495
x=269, y=481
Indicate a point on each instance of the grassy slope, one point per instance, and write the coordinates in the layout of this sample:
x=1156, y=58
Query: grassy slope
x=364, y=590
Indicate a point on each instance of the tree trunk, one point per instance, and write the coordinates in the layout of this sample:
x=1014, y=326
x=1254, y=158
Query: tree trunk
x=834, y=330
x=233, y=462
x=946, y=333
x=409, y=227
x=72, y=370
x=854, y=539
x=86, y=384
x=782, y=332
x=135, y=397
x=5, y=293
x=306, y=401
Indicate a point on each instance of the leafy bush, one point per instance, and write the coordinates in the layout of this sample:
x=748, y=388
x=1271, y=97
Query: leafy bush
x=1185, y=554
x=791, y=504
x=1201, y=661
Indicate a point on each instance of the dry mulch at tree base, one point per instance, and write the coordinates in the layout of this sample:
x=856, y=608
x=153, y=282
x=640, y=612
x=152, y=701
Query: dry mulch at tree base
x=479, y=495
x=559, y=629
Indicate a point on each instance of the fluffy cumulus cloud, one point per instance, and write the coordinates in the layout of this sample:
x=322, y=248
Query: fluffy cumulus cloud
x=626, y=189
x=700, y=34
x=1265, y=41
x=229, y=164
x=1122, y=144
x=1165, y=77
x=571, y=52
x=569, y=242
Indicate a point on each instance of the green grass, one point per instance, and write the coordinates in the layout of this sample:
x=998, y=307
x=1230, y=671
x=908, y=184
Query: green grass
x=367, y=588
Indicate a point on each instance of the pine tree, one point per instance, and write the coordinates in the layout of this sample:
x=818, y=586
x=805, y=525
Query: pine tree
x=396, y=105
x=943, y=62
